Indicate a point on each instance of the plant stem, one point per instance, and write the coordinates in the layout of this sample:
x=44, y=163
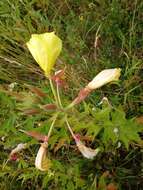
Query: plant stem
x=70, y=129
x=58, y=96
x=53, y=90
x=70, y=106
x=51, y=127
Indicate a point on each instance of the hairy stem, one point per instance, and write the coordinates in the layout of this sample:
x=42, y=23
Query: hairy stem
x=58, y=96
x=51, y=127
x=53, y=90
x=70, y=129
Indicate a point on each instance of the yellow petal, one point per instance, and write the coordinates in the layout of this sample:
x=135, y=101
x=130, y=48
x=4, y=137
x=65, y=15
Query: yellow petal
x=42, y=162
x=45, y=48
x=104, y=77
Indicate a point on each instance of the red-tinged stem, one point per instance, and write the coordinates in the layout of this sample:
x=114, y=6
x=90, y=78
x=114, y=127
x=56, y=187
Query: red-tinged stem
x=71, y=131
x=58, y=97
x=81, y=96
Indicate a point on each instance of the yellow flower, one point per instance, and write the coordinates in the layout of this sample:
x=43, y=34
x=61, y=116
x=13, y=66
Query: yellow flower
x=104, y=77
x=45, y=48
x=42, y=162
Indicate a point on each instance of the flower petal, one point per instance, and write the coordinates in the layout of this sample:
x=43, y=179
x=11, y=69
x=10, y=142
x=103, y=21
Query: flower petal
x=87, y=152
x=45, y=48
x=42, y=162
x=104, y=77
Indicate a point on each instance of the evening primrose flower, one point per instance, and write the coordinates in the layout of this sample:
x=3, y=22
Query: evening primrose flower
x=104, y=77
x=45, y=48
x=87, y=152
x=42, y=162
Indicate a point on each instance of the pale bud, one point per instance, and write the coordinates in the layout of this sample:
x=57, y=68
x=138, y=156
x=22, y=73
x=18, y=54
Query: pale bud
x=19, y=147
x=104, y=77
x=87, y=152
x=42, y=162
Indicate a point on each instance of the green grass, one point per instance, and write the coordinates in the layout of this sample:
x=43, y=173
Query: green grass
x=118, y=26
x=120, y=41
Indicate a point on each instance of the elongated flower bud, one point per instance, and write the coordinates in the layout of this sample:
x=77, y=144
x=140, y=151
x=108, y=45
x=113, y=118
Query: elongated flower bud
x=48, y=107
x=104, y=77
x=31, y=111
x=81, y=95
x=86, y=152
x=36, y=135
x=38, y=92
x=42, y=162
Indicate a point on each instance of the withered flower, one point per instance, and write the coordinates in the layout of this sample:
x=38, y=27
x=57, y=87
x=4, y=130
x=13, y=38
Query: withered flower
x=14, y=153
x=86, y=152
x=42, y=162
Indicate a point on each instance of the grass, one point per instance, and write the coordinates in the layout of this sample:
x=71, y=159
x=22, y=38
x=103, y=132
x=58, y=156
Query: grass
x=117, y=26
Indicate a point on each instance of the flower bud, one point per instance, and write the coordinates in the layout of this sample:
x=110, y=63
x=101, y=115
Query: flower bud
x=59, y=78
x=104, y=77
x=36, y=135
x=31, y=111
x=38, y=92
x=81, y=95
x=49, y=107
